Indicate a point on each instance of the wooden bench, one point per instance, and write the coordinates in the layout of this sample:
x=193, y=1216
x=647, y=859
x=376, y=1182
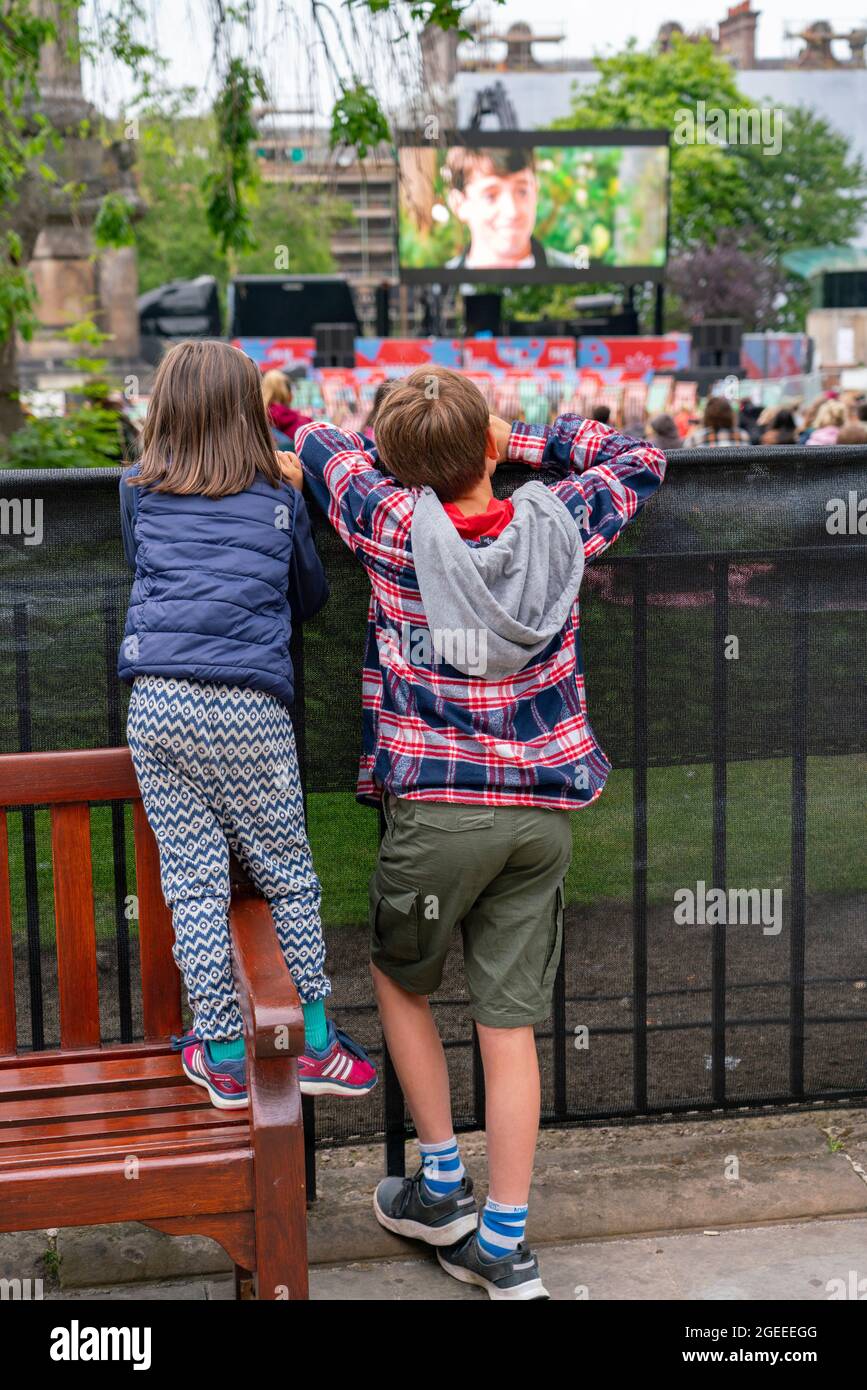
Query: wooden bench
x=92, y=1134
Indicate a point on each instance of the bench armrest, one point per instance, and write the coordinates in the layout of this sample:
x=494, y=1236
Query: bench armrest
x=273, y=1020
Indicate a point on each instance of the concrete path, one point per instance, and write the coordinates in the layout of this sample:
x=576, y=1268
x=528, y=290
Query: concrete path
x=804, y=1262
x=616, y=1212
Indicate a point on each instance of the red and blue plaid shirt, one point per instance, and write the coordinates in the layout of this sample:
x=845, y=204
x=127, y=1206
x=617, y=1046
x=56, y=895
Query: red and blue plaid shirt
x=430, y=732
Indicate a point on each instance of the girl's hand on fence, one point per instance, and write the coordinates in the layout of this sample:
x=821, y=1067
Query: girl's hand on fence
x=290, y=467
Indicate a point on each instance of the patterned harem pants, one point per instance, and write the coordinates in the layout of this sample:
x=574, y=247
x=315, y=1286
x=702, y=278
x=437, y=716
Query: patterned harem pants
x=217, y=769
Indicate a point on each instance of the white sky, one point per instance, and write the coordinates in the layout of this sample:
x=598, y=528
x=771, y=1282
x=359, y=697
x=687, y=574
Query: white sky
x=281, y=43
x=592, y=29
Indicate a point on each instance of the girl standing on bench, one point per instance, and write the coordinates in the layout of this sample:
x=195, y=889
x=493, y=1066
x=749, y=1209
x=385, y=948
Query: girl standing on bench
x=225, y=565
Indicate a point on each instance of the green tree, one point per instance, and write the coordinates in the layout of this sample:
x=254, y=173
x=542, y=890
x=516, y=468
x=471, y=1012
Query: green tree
x=646, y=89
x=174, y=237
x=813, y=191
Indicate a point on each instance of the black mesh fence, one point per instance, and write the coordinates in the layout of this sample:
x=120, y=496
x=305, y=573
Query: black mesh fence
x=725, y=641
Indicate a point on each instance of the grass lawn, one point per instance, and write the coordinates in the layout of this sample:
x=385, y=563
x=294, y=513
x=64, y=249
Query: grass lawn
x=344, y=839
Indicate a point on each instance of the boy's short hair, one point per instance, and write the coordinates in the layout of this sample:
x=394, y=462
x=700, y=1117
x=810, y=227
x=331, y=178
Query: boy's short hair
x=431, y=431
x=463, y=161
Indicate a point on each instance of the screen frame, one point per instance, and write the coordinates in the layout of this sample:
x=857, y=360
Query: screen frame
x=597, y=271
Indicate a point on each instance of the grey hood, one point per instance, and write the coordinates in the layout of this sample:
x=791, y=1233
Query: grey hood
x=501, y=602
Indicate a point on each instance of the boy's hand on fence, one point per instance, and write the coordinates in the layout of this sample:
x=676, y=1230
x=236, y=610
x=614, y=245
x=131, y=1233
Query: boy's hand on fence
x=290, y=467
x=500, y=430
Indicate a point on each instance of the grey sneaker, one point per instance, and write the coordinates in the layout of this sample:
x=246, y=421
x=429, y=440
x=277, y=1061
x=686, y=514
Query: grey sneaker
x=401, y=1207
x=515, y=1276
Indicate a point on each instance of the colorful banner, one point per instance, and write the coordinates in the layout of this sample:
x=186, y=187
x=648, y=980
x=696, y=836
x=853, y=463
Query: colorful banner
x=636, y=358
x=767, y=356
x=280, y=354
x=528, y=354
x=407, y=352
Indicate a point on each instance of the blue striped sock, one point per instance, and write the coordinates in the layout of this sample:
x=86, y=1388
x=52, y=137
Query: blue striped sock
x=443, y=1169
x=501, y=1229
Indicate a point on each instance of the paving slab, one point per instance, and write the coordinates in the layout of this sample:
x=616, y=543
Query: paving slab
x=802, y=1262
x=630, y=1180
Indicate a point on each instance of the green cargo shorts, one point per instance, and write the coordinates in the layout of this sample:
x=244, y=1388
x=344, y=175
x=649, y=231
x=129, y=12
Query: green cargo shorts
x=496, y=871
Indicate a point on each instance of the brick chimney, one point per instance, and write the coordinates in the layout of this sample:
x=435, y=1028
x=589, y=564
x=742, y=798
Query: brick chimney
x=737, y=34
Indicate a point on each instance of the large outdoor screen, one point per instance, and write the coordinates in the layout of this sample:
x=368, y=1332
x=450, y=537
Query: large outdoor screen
x=513, y=207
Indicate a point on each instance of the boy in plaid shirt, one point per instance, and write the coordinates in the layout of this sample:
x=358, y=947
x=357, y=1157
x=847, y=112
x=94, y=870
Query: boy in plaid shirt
x=477, y=746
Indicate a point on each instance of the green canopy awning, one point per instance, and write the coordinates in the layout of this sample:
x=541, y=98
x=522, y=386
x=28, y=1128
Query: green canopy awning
x=810, y=261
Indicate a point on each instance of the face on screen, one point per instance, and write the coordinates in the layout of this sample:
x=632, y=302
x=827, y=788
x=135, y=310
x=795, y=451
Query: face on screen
x=530, y=204
x=499, y=211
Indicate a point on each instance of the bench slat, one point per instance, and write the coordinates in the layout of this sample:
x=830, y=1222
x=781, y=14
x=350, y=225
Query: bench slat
x=7, y=971
x=75, y=925
x=69, y=1075
x=130, y=1125
x=92, y=1104
x=104, y=1146
x=160, y=980
x=111, y=1052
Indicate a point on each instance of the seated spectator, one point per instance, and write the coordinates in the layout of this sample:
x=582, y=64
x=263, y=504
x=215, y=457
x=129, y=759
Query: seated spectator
x=853, y=434
x=782, y=429
x=808, y=416
x=718, y=428
x=861, y=412
x=830, y=419
x=664, y=433
x=602, y=413
x=277, y=395
x=749, y=419
x=633, y=428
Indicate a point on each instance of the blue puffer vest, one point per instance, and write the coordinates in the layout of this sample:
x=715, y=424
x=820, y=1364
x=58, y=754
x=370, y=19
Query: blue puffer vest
x=218, y=583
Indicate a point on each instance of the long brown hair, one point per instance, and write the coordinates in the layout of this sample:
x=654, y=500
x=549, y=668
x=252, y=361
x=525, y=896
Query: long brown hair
x=206, y=430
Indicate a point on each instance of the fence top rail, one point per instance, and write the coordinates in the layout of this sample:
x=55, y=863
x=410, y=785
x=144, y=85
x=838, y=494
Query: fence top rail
x=780, y=454
x=44, y=779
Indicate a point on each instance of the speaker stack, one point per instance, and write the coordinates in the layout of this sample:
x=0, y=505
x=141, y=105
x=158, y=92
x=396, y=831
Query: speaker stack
x=716, y=352
x=335, y=344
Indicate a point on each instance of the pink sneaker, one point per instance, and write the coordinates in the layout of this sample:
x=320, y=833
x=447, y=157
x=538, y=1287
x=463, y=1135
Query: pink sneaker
x=225, y=1082
x=341, y=1068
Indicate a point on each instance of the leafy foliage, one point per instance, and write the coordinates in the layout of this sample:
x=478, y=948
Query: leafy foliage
x=225, y=187
x=24, y=135
x=811, y=192
x=174, y=239
x=113, y=225
x=730, y=279
x=88, y=435
x=358, y=120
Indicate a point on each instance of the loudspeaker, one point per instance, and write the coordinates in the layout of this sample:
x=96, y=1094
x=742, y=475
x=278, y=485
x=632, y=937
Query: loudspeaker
x=712, y=357
x=383, y=315
x=335, y=344
x=844, y=289
x=288, y=306
x=483, y=313
x=716, y=345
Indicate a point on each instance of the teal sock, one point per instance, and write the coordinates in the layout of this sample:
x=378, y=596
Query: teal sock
x=315, y=1024
x=227, y=1051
